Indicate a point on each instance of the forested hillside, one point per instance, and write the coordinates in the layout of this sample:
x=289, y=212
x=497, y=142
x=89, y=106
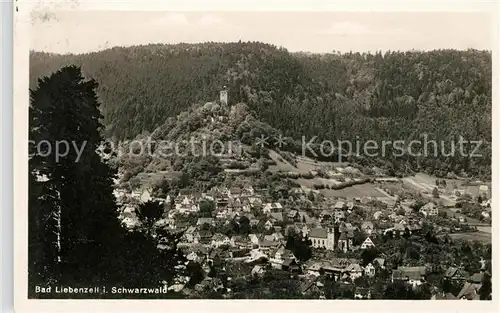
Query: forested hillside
x=382, y=96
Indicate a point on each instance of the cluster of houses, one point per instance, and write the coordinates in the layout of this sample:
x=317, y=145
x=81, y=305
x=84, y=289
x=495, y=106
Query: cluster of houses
x=264, y=247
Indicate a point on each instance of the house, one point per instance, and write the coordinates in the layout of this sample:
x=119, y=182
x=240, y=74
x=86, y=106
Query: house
x=312, y=287
x=278, y=216
x=222, y=214
x=350, y=206
x=379, y=262
x=266, y=245
x=304, y=217
x=430, y=209
x=280, y=256
x=305, y=230
x=339, y=205
x=146, y=196
x=344, y=242
x=186, y=206
x=471, y=288
x=234, y=192
x=485, y=214
x=269, y=238
x=455, y=274
x=413, y=275
x=268, y=225
x=368, y=243
x=203, y=236
x=338, y=216
x=274, y=237
x=248, y=191
x=293, y=215
x=194, y=257
x=370, y=270
x=355, y=270
x=189, y=234
x=322, y=238
x=241, y=242
x=290, y=264
x=377, y=215
x=220, y=240
x=272, y=207
x=486, y=203
x=258, y=271
x=254, y=239
x=205, y=220
x=255, y=202
x=326, y=215
x=347, y=227
x=367, y=227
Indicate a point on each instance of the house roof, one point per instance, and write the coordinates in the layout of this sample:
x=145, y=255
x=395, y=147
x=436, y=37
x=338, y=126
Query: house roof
x=318, y=233
x=205, y=220
x=342, y=262
x=205, y=234
x=278, y=216
x=428, y=206
x=476, y=278
x=241, y=239
x=446, y=296
x=367, y=225
x=191, y=230
x=219, y=237
x=343, y=236
x=354, y=268
x=269, y=237
x=257, y=269
x=452, y=271
x=412, y=272
x=469, y=291
x=368, y=240
x=339, y=205
x=268, y=243
x=288, y=262
x=380, y=261
x=235, y=190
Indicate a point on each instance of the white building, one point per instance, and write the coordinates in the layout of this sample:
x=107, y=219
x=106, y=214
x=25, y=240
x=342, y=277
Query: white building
x=322, y=238
x=368, y=243
x=370, y=270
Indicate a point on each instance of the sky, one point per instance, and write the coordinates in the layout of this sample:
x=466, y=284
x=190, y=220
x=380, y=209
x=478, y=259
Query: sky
x=318, y=32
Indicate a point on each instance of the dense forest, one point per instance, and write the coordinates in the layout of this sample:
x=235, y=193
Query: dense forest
x=355, y=96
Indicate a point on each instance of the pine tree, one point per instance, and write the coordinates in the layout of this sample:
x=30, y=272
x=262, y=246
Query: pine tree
x=73, y=215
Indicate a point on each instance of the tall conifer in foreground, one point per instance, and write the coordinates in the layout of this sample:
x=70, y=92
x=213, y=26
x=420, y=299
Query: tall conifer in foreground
x=72, y=215
x=75, y=237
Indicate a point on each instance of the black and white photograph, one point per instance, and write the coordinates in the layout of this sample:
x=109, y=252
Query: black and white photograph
x=260, y=155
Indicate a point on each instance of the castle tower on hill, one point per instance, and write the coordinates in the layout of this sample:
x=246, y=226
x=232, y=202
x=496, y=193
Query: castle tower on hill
x=223, y=97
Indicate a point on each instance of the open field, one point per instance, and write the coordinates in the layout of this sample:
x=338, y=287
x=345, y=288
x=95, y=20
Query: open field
x=148, y=179
x=364, y=190
x=281, y=164
x=480, y=236
x=429, y=182
x=305, y=164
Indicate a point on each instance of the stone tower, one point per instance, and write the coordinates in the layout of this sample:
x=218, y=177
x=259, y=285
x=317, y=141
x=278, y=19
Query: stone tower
x=330, y=239
x=223, y=97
